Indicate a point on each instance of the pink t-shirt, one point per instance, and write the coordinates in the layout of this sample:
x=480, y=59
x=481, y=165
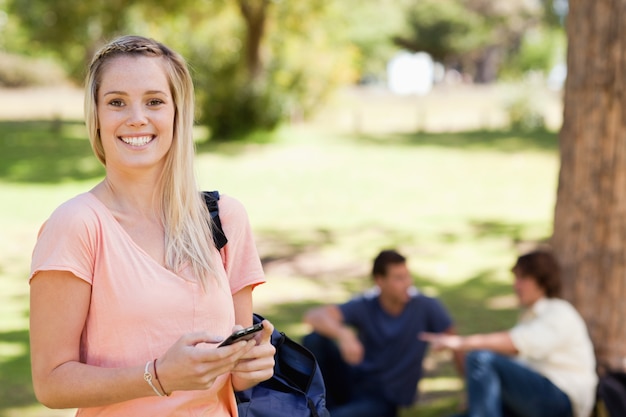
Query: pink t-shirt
x=138, y=308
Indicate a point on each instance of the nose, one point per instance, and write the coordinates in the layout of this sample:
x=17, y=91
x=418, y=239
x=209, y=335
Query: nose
x=136, y=116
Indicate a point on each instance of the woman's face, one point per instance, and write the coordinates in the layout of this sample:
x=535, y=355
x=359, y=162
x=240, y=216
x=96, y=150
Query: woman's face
x=135, y=113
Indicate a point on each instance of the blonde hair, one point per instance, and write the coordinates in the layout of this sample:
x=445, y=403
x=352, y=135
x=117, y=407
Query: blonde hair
x=187, y=223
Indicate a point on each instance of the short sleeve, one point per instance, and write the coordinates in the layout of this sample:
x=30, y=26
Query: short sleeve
x=353, y=310
x=241, y=258
x=67, y=241
x=439, y=319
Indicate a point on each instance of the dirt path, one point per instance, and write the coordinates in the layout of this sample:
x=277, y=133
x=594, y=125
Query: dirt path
x=41, y=103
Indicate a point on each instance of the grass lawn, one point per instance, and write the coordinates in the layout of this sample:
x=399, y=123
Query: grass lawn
x=460, y=205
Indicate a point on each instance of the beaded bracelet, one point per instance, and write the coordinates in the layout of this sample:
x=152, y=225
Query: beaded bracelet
x=147, y=376
x=156, y=376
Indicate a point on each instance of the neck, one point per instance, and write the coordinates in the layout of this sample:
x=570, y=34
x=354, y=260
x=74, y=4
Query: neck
x=533, y=302
x=391, y=307
x=138, y=197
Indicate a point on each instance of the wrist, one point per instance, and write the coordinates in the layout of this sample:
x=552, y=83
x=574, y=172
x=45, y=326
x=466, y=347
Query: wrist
x=150, y=375
x=150, y=379
x=344, y=333
x=158, y=380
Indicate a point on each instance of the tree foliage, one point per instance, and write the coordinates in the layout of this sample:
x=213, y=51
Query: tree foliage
x=474, y=36
x=257, y=62
x=295, y=67
x=371, y=26
x=73, y=29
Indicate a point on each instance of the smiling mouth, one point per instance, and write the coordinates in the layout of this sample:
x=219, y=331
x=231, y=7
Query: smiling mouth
x=137, y=140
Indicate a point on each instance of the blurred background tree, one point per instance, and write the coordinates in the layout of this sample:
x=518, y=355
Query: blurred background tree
x=74, y=29
x=257, y=63
x=479, y=37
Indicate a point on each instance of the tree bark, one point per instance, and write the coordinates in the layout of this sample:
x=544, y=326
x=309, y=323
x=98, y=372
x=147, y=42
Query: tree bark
x=590, y=214
x=254, y=13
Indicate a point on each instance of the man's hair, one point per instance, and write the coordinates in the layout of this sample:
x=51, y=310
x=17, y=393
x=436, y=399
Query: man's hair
x=185, y=217
x=384, y=259
x=541, y=266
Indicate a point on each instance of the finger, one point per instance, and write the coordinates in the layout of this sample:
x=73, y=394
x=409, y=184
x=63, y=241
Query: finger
x=195, y=338
x=262, y=350
x=427, y=337
x=258, y=363
x=239, y=351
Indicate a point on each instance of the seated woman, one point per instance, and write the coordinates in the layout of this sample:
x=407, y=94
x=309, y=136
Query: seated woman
x=544, y=366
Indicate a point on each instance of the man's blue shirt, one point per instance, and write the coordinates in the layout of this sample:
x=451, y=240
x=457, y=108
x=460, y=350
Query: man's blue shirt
x=393, y=350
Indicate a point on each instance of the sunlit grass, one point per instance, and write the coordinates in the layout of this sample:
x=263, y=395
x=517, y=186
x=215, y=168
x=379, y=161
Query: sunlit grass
x=10, y=350
x=321, y=205
x=456, y=211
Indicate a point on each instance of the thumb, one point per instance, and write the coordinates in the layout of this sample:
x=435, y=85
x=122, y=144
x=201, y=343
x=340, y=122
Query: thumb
x=266, y=335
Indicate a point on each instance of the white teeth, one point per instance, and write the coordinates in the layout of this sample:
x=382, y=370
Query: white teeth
x=137, y=141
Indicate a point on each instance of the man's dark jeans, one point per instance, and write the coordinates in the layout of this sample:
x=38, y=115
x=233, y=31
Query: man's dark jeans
x=348, y=394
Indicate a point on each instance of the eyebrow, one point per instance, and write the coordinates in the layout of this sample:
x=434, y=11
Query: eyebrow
x=123, y=93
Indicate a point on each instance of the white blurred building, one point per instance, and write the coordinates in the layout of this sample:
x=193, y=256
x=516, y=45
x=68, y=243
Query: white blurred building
x=411, y=73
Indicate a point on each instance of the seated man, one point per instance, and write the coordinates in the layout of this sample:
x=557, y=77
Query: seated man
x=369, y=349
x=542, y=367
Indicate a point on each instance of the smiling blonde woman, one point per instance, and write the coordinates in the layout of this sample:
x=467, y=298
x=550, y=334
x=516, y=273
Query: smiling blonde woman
x=129, y=296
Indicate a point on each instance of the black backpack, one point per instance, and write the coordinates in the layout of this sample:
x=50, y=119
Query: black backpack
x=297, y=387
x=611, y=395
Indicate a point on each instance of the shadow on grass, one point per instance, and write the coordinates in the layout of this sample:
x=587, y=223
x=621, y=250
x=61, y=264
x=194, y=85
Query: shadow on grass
x=51, y=151
x=495, y=140
x=469, y=303
x=15, y=376
x=481, y=304
x=46, y=152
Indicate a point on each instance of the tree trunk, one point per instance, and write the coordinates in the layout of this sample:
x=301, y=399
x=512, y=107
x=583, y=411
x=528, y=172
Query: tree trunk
x=487, y=65
x=254, y=13
x=590, y=215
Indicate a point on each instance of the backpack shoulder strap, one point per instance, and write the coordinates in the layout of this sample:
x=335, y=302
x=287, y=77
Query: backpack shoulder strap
x=211, y=198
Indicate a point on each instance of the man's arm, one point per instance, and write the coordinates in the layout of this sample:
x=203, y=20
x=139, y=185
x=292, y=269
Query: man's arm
x=328, y=321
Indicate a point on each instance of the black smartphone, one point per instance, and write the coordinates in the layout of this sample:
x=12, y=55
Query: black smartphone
x=243, y=334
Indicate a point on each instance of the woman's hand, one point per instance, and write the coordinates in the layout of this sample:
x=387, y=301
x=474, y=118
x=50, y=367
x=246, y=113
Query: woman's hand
x=256, y=364
x=192, y=364
x=441, y=341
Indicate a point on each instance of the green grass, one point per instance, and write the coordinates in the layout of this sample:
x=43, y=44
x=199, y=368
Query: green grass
x=460, y=205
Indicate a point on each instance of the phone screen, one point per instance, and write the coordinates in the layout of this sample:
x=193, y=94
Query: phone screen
x=243, y=334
